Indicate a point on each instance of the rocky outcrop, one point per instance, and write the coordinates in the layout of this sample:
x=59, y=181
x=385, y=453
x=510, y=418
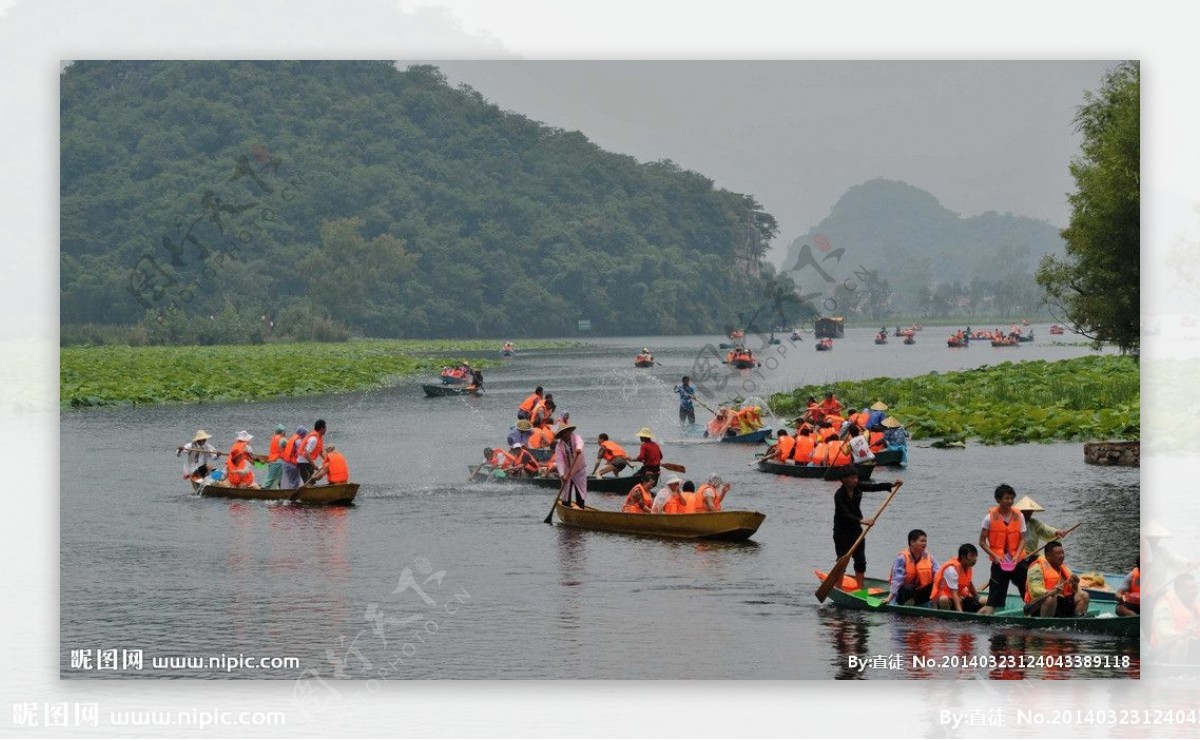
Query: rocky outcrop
x=1127, y=454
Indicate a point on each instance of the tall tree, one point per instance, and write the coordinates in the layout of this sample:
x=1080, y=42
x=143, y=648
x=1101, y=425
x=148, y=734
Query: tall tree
x=1096, y=286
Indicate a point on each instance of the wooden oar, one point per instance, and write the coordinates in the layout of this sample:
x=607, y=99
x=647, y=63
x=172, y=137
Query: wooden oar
x=1008, y=566
x=304, y=485
x=1034, y=606
x=674, y=467
x=839, y=568
x=565, y=482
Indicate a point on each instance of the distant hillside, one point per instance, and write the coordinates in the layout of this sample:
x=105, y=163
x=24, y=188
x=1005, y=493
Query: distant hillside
x=917, y=245
x=360, y=196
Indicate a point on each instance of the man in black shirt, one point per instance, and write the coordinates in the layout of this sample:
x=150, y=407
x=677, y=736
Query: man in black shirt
x=848, y=518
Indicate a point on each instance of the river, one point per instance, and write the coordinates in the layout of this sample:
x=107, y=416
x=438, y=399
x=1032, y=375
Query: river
x=428, y=576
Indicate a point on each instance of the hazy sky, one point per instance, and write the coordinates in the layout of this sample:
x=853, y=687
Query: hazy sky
x=979, y=136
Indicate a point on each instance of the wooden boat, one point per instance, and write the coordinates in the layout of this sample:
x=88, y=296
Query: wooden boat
x=1057, y=330
x=774, y=340
x=755, y=437
x=881, y=339
x=1107, y=591
x=824, y=345
x=507, y=353
x=640, y=362
x=618, y=486
x=341, y=494
x=1005, y=343
x=453, y=380
x=1101, y=617
x=953, y=342
x=804, y=471
x=449, y=390
x=714, y=525
x=910, y=340
x=1026, y=337
x=888, y=457
x=743, y=363
x=796, y=336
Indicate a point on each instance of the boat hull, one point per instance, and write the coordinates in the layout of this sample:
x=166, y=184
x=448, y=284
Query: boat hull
x=717, y=525
x=889, y=457
x=436, y=391
x=1101, y=617
x=744, y=364
x=758, y=435
x=341, y=494
x=616, y=486
x=803, y=471
x=644, y=363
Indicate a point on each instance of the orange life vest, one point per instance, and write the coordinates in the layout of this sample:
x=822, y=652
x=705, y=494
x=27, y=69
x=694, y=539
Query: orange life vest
x=917, y=574
x=819, y=453
x=524, y=461
x=339, y=472
x=1135, y=587
x=699, y=499
x=1004, y=538
x=964, y=580
x=876, y=441
x=318, y=451
x=1051, y=577
x=639, y=493
x=675, y=505
x=610, y=449
x=237, y=453
x=274, y=453
x=528, y=404
x=803, y=451
x=500, y=458
x=860, y=419
x=783, y=448
x=541, y=437
x=291, y=449
x=838, y=454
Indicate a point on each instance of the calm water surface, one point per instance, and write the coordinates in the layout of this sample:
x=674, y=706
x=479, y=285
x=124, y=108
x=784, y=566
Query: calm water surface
x=431, y=577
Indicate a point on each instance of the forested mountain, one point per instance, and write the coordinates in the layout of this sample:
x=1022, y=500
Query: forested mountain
x=933, y=260
x=385, y=201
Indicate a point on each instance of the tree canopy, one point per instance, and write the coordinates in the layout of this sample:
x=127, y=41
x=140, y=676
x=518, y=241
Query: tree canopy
x=1096, y=287
x=380, y=200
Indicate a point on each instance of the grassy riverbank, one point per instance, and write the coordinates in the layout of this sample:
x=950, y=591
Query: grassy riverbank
x=1086, y=398
x=105, y=376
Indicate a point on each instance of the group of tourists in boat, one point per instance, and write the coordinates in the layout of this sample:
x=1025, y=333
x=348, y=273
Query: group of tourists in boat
x=645, y=358
x=507, y=350
x=293, y=461
x=741, y=358
x=460, y=374
x=677, y=496
x=824, y=345
x=826, y=436
x=733, y=420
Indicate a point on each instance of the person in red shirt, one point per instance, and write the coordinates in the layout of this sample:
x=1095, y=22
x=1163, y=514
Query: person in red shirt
x=650, y=456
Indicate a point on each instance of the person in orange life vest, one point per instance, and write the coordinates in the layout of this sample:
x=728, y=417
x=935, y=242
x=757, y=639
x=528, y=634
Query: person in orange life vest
x=650, y=456
x=611, y=455
x=543, y=435
x=291, y=452
x=838, y=452
x=953, y=587
x=812, y=412
x=710, y=495
x=496, y=458
x=522, y=462
x=831, y=406
x=570, y=464
x=860, y=419
x=803, y=451
x=1002, y=537
x=639, y=500
x=848, y=517
x=335, y=468
x=275, y=458
x=237, y=466
x=312, y=449
x=525, y=410
x=1050, y=575
x=688, y=494
x=669, y=499
x=544, y=410
x=912, y=572
x=1129, y=594
x=1175, y=636
x=820, y=453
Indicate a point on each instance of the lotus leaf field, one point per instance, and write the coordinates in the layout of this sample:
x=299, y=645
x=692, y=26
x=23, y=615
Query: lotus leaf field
x=1081, y=399
x=106, y=376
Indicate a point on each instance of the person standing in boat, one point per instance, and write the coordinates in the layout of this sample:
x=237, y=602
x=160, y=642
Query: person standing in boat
x=1036, y=530
x=875, y=417
x=335, y=468
x=275, y=457
x=312, y=449
x=569, y=462
x=200, y=456
x=895, y=436
x=687, y=395
x=1002, y=537
x=831, y=406
x=912, y=572
x=291, y=456
x=650, y=456
x=848, y=519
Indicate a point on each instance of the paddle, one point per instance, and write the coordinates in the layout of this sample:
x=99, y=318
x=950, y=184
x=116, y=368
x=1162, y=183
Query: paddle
x=839, y=568
x=1035, y=605
x=1008, y=566
x=296, y=495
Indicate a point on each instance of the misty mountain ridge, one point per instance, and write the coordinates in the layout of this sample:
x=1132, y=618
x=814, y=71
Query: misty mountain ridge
x=914, y=241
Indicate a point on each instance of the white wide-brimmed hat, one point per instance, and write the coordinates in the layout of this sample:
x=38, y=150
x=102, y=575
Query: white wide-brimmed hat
x=244, y=436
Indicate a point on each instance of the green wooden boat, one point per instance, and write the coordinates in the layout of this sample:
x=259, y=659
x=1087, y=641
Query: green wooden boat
x=338, y=494
x=434, y=391
x=803, y=471
x=1101, y=616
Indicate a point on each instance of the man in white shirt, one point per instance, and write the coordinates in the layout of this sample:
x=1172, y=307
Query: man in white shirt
x=200, y=455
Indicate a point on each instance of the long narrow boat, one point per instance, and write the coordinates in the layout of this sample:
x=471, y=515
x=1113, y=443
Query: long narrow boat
x=434, y=391
x=889, y=457
x=803, y=471
x=619, y=486
x=1101, y=616
x=715, y=525
x=743, y=363
x=341, y=494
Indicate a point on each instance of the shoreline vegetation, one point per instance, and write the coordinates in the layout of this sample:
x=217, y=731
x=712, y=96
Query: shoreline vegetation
x=122, y=375
x=1080, y=399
